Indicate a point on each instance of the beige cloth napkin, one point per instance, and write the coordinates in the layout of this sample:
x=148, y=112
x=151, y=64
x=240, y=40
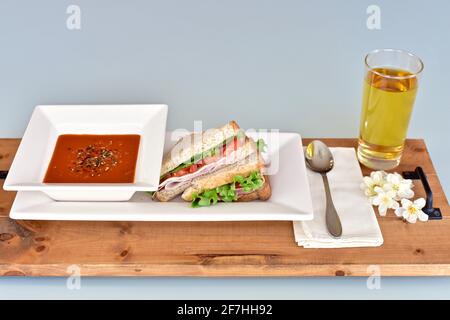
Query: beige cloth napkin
x=359, y=224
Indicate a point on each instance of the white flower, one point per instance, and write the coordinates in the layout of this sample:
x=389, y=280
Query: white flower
x=402, y=187
x=376, y=179
x=411, y=211
x=384, y=199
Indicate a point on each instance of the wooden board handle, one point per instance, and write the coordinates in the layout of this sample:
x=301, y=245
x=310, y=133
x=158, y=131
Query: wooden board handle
x=419, y=174
x=3, y=175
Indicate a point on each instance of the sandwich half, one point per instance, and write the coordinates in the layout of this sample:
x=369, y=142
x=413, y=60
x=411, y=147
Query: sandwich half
x=201, y=154
x=240, y=181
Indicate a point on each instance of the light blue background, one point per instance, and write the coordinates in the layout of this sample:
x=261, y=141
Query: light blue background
x=292, y=65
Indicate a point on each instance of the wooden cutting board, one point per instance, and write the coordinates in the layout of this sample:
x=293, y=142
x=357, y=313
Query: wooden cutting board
x=50, y=248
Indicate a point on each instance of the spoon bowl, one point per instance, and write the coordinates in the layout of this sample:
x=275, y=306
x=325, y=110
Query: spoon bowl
x=319, y=157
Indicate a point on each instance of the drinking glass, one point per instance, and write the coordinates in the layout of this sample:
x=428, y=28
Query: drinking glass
x=390, y=88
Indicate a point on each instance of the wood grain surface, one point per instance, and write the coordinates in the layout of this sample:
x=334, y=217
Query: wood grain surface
x=50, y=248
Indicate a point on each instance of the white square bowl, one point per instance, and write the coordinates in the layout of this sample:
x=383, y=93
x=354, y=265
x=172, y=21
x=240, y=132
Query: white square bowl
x=48, y=122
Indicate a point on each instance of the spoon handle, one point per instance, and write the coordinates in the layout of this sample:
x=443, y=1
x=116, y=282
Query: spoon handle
x=332, y=219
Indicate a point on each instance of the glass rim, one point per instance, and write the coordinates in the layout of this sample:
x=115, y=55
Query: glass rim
x=413, y=74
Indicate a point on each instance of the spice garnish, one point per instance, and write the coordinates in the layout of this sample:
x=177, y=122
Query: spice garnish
x=94, y=160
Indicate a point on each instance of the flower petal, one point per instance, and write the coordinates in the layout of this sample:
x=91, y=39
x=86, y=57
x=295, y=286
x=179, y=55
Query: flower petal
x=394, y=205
x=405, y=214
x=399, y=212
x=377, y=176
x=419, y=203
x=422, y=216
x=391, y=194
x=382, y=209
x=378, y=190
x=367, y=181
x=376, y=201
x=412, y=218
x=406, y=194
x=394, y=178
x=372, y=200
x=408, y=182
x=406, y=203
x=388, y=187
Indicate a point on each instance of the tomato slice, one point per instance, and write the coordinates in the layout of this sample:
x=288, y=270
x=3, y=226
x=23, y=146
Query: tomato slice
x=235, y=143
x=180, y=173
x=233, y=146
x=226, y=150
x=209, y=160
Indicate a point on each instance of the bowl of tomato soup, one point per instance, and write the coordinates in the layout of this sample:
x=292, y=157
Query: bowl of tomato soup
x=90, y=153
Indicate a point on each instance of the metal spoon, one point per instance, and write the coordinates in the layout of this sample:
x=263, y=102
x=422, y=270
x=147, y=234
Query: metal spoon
x=319, y=159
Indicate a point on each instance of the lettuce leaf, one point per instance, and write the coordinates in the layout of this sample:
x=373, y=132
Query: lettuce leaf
x=261, y=145
x=227, y=192
x=253, y=182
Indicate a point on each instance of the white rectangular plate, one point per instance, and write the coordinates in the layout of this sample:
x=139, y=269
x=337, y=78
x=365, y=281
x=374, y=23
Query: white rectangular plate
x=291, y=198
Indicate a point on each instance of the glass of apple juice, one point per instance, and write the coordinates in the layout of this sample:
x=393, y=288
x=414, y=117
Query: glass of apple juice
x=390, y=87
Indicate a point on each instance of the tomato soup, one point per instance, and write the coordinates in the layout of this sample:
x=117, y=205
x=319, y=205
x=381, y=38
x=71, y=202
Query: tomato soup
x=93, y=159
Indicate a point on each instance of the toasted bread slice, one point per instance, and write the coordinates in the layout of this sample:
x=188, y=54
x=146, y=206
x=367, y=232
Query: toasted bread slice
x=167, y=195
x=224, y=176
x=196, y=143
x=262, y=194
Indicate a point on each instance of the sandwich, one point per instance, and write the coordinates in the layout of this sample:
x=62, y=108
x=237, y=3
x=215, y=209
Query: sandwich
x=242, y=181
x=221, y=164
